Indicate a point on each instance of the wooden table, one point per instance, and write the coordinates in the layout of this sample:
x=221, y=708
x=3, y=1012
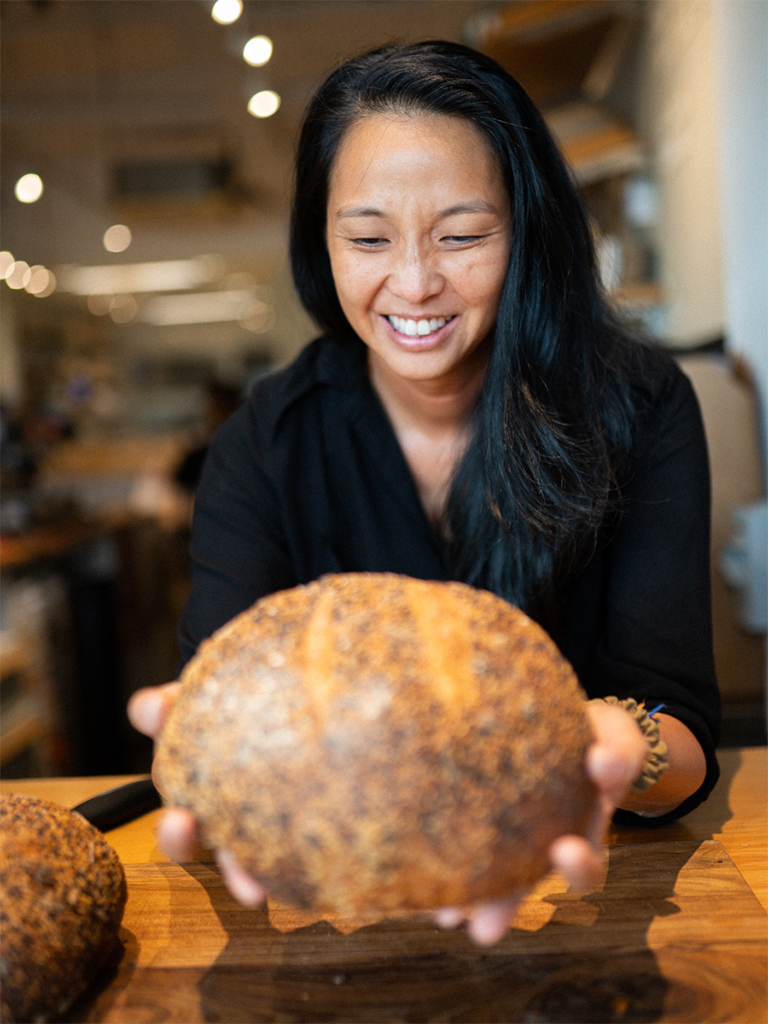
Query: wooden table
x=676, y=932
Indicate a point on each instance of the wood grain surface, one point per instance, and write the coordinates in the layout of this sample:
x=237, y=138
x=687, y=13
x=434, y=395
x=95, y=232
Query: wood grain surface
x=675, y=932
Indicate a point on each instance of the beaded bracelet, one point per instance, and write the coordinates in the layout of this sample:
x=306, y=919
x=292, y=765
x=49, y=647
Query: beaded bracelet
x=656, y=761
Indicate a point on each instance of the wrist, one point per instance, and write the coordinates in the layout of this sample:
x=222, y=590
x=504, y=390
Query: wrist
x=656, y=757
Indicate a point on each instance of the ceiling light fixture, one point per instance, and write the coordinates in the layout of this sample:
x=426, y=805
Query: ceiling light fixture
x=29, y=188
x=257, y=51
x=161, y=276
x=203, y=307
x=264, y=103
x=227, y=11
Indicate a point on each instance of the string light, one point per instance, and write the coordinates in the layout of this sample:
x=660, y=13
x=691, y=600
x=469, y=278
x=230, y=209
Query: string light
x=17, y=272
x=6, y=262
x=257, y=51
x=41, y=282
x=264, y=103
x=227, y=11
x=29, y=188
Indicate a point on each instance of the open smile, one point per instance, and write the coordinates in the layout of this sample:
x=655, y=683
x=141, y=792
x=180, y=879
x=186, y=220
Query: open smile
x=418, y=328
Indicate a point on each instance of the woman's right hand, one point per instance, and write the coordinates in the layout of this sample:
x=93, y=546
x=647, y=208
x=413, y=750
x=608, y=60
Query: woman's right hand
x=148, y=709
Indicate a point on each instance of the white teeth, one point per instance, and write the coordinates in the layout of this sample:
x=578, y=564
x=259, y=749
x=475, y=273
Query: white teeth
x=414, y=328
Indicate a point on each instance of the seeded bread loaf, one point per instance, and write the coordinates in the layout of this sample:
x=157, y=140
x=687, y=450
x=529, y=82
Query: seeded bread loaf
x=63, y=895
x=376, y=742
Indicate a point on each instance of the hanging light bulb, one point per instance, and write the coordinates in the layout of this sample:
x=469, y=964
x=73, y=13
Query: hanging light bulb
x=226, y=11
x=29, y=188
x=264, y=103
x=257, y=51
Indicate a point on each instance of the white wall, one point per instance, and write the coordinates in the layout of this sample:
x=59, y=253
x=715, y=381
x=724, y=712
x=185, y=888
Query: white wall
x=679, y=120
x=741, y=37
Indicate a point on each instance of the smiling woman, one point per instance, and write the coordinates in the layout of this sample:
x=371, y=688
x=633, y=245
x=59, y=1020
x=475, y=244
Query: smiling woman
x=473, y=412
x=418, y=231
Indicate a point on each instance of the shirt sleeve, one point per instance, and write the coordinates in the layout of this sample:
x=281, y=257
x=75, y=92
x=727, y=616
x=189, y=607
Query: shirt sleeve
x=238, y=548
x=657, y=641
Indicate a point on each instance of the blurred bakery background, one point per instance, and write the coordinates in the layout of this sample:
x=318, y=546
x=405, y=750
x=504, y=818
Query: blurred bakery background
x=144, y=283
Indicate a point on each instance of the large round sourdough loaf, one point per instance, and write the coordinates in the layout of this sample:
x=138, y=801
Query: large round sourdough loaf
x=376, y=742
x=63, y=894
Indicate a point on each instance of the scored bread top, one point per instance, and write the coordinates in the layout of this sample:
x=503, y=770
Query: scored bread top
x=372, y=741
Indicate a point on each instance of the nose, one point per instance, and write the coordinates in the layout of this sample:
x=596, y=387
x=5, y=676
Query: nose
x=414, y=278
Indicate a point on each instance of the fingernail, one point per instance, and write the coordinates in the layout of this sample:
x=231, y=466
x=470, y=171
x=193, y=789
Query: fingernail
x=448, y=917
x=243, y=887
x=144, y=709
x=486, y=930
x=174, y=835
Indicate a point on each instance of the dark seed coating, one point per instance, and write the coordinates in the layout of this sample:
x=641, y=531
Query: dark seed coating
x=63, y=895
x=375, y=742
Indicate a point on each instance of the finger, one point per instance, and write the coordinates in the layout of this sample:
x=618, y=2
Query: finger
x=177, y=833
x=616, y=757
x=577, y=861
x=491, y=921
x=148, y=708
x=612, y=770
x=243, y=886
x=449, y=917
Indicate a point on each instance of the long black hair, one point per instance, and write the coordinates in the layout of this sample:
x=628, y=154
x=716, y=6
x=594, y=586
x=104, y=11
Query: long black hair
x=554, y=420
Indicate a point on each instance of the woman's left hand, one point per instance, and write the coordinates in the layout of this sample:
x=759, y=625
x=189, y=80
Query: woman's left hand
x=614, y=761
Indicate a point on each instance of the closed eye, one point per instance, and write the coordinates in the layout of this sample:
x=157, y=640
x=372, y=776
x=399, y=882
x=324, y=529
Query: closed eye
x=462, y=239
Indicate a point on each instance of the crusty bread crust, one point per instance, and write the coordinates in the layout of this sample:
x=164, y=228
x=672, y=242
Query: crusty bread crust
x=376, y=742
x=63, y=895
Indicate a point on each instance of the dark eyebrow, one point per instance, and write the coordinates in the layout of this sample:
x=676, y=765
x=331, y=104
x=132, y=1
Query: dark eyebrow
x=475, y=206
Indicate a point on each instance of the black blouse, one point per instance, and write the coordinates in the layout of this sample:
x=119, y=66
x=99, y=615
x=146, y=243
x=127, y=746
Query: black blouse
x=308, y=478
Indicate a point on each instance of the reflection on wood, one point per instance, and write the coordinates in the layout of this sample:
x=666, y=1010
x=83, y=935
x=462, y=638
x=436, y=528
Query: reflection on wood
x=675, y=933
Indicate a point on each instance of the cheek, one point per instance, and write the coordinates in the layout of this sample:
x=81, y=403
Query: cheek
x=356, y=283
x=480, y=285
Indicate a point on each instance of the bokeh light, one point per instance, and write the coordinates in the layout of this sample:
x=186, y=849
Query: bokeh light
x=29, y=188
x=123, y=308
x=41, y=282
x=17, y=273
x=6, y=262
x=227, y=11
x=117, y=238
x=257, y=51
x=264, y=103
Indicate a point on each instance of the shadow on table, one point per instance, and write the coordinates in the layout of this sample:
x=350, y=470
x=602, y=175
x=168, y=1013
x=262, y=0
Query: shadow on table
x=589, y=963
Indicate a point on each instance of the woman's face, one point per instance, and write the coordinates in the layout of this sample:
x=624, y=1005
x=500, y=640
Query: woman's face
x=418, y=234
